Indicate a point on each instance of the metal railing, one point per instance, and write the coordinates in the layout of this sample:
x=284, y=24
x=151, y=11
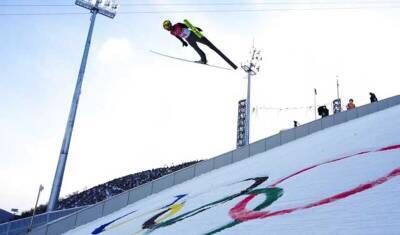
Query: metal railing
x=21, y=226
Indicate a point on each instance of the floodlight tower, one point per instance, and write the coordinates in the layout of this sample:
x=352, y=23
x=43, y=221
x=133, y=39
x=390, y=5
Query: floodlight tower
x=251, y=69
x=107, y=8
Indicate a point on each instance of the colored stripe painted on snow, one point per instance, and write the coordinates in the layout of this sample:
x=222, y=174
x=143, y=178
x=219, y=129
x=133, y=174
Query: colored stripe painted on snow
x=240, y=213
x=169, y=214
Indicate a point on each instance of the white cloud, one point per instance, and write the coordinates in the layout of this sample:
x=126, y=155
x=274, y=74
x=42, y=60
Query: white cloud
x=115, y=51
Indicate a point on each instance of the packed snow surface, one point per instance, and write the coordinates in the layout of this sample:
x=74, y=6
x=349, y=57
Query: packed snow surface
x=342, y=180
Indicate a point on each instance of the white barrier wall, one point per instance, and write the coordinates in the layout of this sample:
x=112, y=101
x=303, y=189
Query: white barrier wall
x=117, y=202
x=163, y=183
x=272, y=141
x=241, y=153
x=314, y=126
x=258, y=147
x=89, y=214
x=302, y=131
x=21, y=226
x=204, y=166
x=223, y=160
x=140, y=192
x=287, y=136
x=184, y=174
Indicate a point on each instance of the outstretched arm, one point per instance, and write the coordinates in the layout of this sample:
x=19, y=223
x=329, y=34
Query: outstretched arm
x=183, y=42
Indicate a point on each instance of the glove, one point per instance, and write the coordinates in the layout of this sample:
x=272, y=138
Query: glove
x=184, y=44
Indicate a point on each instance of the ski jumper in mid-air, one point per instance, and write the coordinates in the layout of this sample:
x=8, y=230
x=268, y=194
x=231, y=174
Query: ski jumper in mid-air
x=192, y=36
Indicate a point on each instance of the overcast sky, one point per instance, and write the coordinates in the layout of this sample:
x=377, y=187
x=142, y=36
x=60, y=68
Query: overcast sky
x=140, y=111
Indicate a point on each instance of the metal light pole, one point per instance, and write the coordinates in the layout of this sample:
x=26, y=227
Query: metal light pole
x=337, y=87
x=251, y=69
x=315, y=104
x=337, y=103
x=34, y=210
x=107, y=8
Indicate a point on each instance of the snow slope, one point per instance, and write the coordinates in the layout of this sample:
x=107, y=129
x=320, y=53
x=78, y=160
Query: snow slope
x=342, y=180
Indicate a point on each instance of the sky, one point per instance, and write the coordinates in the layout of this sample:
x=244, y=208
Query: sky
x=140, y=111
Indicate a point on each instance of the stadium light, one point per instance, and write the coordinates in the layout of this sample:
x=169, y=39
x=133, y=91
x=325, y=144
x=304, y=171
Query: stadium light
x=251, y=69
x=104, y=7
x=109, y=9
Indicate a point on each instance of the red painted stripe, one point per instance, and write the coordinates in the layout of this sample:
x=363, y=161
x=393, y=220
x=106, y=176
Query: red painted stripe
x=294, y=174
x=317, y=165
x=390, y=148
x=358, y=189
x=240, y=213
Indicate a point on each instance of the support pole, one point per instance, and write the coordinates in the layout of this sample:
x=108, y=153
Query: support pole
x=34, y=209
x=56, y=188
x=250, y=69
x=337, y=88
x=248, y=107
x=315, y=104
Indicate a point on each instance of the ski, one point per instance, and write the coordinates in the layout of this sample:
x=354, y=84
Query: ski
x=186, y=60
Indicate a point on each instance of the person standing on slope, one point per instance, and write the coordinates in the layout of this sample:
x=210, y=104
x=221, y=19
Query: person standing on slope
x=182, y=31
x=372, y=97
x=351, y=104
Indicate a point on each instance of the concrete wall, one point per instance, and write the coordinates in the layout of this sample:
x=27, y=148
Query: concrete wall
x=133, y=195
x=241, y=153
x=140, y=192
x=287, y=136
x=116, y=203
x=184, y=174
x=302, y=131
x=21, y=226
x=89, y=214
x=272, y=141
x=258, y=147
x=62, y=225
x=314, y=126
x=339, y=118
x=163, y=183
x=204, y=166
x=327, y=122
x=223, y=160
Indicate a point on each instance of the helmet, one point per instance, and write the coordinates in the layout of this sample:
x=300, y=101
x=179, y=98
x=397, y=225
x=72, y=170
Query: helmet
x=167, y=24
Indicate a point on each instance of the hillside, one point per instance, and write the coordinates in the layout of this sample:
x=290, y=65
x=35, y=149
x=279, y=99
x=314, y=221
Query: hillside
x=342, y=180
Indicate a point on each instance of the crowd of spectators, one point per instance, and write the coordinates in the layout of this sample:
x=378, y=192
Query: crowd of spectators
x=109, y=189
x=116, y=186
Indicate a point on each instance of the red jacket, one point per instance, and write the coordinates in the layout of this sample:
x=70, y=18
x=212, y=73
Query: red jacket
x=350, y=106
x=180, y=30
